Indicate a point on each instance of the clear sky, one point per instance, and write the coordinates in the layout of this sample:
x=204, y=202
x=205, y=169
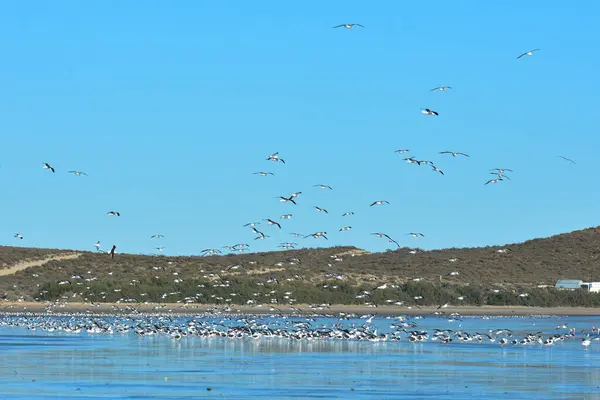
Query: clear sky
x=171, y=106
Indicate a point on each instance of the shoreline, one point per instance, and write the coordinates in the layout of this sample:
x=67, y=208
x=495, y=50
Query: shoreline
x=178, y=308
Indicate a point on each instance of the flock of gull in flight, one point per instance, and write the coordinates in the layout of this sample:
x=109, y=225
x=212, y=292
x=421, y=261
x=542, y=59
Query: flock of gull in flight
x=299, y=326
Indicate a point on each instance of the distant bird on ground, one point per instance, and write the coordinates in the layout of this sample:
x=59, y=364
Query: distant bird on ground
x=528, y=53
x=566, y=159
x=441, y=88
x=48, y=166
x=454, y=153
x=346, y=214
x=286, y=216
x=157, y=236
x=275, y=157
x=415, y=234
x=263, y=173
x=323, y=187
x=287, y=200
x=18, y=236
x=402, y=151
x=97, y=245
x=112, y=251
x=77, y=173
x=379, y=202
x=494, y=181
x=348, y=26
x=321, y=209
x=427, y=111
x=436, y=169
x=317, y=235
x=271, y=222
x=113, y=213
x=345, y=228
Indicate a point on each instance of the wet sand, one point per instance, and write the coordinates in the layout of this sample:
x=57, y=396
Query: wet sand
x=109, y=308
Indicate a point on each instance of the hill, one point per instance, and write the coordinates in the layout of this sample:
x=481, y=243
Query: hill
x=492, y=275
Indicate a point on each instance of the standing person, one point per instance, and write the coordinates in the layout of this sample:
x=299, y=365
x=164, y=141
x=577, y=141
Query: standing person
x=112, y=252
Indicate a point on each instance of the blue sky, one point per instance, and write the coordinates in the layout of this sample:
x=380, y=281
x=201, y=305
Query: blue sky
x=171, y=108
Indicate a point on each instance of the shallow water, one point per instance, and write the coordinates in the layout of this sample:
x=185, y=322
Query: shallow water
x=58, y=365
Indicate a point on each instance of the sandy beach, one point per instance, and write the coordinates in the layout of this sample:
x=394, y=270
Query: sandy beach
x=28, y=307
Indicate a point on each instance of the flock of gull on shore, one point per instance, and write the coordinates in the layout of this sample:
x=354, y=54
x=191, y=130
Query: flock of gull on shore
x=349, y=327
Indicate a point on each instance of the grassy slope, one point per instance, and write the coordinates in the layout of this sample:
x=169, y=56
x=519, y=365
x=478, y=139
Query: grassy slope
x=573, y=255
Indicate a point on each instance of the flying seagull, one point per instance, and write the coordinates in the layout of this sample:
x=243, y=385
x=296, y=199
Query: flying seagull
x=416, y=234
x=286, y=216
x=77, y=173
x=275, y=157
x=156, y=236
x=402, y=151
x=317, y=235
x=252, y=224
x=271, y=222
x=386, y=236
x=348, y=26
x=97, y=245
x=528, y=53
x=436, y=169
x=412, y=160
x=113, y=213
x=48, y=166
x=324, y=187
x=427, y=111
x=321, y=210
x=454, y=153
x=345, y=228
x=494, y=180
x=379, y=202
x=566, y=159
x=263, y=173
x=441, y=88
x=286, y=199
x=18, y=236
x=347, y=213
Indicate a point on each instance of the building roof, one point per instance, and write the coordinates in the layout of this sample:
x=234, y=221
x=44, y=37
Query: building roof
x=568, y=284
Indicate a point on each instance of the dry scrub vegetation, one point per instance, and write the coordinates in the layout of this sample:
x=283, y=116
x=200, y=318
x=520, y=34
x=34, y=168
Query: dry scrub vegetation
x=336, y=275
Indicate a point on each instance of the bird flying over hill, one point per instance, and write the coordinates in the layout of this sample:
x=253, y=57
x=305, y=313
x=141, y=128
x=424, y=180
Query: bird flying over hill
x=348, y=26
x=415, y=234
x=113, y=213
x=427, y=111
x=385, y=236
x=77, y=173
x=275, y=157
x=97, y=245
x=566, y=159
x=454, y=153
x=48, y=166
x=317, y=235
x=528, y=53
x=18, y=236
x=441, y=88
